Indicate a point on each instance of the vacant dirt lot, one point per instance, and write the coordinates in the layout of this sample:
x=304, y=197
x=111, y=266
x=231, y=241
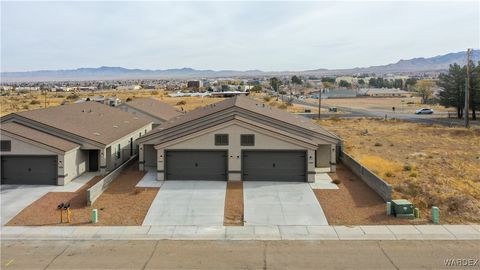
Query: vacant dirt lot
x=35, y=100
x=382, y=104
x=121, y=204
x=429, y=165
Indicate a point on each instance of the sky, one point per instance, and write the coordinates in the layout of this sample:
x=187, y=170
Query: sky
x=270, y=36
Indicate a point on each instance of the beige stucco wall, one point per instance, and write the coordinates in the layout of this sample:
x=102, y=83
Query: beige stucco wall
x=75, y=163
x=112, y=161
x=263, y=141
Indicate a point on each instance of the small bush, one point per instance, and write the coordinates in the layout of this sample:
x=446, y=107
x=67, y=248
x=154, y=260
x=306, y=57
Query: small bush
x=413, y=174
x=407, y=167
x=25, y=107
x=389, y=174
x=154, y=92
x=336, y=182
x=34, y=102
x=282, y=106
x=267, y=98
x=128, y=99
x=378, y=144
x=181, y=102
x=73, y=96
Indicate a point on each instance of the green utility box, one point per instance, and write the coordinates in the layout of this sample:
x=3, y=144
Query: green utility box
x=332, y=109
x=403, y=209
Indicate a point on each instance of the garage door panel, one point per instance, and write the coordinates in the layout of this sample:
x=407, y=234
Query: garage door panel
x=196, y=165
x=29, y=170
x=274, y=166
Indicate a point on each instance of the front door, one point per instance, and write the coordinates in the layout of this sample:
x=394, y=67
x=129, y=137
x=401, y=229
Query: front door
x=93, y=160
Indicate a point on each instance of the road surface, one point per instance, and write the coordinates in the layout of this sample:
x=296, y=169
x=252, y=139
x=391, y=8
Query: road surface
x=148, y=254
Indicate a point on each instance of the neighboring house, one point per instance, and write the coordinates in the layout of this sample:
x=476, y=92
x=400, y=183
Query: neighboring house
x=238, y=139
x=151, y=109
x=55, y=145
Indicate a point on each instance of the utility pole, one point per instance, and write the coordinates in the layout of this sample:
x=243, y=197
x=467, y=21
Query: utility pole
x=319, y=102
x=467, y=93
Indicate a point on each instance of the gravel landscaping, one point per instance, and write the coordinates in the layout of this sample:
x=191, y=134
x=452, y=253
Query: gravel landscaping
x=121, y=204
x=234, y=204
x=354, y=203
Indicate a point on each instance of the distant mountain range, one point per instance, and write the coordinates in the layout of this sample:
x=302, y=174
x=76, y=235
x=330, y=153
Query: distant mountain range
x=415, y=65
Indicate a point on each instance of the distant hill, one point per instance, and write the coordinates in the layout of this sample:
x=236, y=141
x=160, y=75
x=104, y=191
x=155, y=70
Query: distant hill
x=437, y=63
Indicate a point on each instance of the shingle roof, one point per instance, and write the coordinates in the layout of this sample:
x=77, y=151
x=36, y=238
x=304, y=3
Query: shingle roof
x=249, y=104
x=38, y=136
x=154, y=107
x=90, y=120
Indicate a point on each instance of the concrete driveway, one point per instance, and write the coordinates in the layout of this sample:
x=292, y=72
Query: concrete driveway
x=188, y=203
x=281, y=203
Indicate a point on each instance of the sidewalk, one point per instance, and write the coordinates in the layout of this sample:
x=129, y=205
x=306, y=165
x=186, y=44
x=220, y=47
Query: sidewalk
x=370, y=232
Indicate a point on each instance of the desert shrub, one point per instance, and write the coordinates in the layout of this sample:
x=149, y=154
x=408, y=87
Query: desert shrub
x=154, y=92
x=413, y=174
x=128, y=99
x=389, y=174
x=334, y=118
x=25, y=107
x=181, y=102
x=378, y=144
x=267, y=98
x=35, y=102
x=407, y=167
x=409, y=188
x=73, y=96
x=60, y=95
x=336, y=182
x=282, y=106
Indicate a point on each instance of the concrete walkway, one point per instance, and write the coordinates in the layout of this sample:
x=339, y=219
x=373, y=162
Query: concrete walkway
x=281, y=203
x=188, y=203
x=369, y=232
x=150, y=179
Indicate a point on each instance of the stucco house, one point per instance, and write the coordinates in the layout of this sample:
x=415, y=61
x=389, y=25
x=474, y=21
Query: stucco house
x=151, y=109
x=238, y=139
x=55, y=145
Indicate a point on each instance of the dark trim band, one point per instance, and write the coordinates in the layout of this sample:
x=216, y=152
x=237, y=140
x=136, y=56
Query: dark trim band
x=141, y=162
x=234, y=171
x=311, y=172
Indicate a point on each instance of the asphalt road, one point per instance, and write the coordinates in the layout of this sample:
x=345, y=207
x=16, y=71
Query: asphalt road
x=145, y=254
x=439, y=118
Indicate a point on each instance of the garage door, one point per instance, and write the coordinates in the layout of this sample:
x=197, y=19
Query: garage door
x=29, y=170
x=274, y=166
x=196, y=165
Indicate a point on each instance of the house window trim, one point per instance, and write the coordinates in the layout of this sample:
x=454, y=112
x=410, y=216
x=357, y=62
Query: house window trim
x=220, y=143
x=242, y=143
x=8, y=147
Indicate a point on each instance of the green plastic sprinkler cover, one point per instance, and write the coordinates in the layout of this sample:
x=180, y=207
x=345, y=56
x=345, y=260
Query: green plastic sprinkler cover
x=94, y=216
x=435, y=215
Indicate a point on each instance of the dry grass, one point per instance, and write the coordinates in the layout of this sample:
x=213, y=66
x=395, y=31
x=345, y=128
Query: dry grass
x=429, y=165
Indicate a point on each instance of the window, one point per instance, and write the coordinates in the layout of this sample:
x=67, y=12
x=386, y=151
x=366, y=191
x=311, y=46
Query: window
x=221, y=139
x=247, y=140
x=6, y=146
x=118, y=151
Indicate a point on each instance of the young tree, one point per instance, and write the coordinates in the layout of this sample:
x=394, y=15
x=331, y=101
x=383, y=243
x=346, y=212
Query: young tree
x=344, y=83
x=296, y=79
x=424, y=89
x=275, y=83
